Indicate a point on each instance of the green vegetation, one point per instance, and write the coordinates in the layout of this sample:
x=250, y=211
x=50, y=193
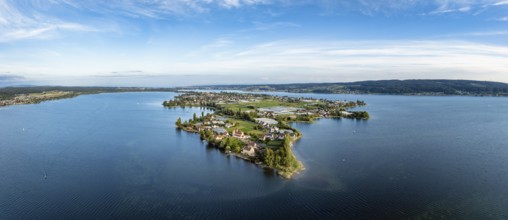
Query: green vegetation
x=274, y=143
x=179, y=123
x=398, y=87
x=36, y=94
x=360, y=115
x=256, y=127
x=263, y=103
x=283, y=158
x=248, y=127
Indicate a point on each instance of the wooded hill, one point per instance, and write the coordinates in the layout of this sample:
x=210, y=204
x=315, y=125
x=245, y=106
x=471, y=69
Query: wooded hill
x=394, y=87
x=10, y=92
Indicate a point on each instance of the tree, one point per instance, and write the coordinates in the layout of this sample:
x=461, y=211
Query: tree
x=269, y=157
x=361, y=115
x=237, y=148
x=179, y=122
x=286, y=153
x=194, y=117
x=202, y=135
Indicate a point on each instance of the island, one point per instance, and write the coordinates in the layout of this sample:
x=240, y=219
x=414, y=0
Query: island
x=256, y=127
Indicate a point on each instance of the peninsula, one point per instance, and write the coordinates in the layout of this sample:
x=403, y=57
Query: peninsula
x=37, y=94
x=256, y=127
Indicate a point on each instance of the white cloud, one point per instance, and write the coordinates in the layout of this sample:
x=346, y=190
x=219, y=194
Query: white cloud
x=286, y=61
x=17, y=25
x=361, y=60
x=42, y=31
x=488, y=33
x=231, y=3
x=500, y=3
x=159, y=8
x=218, y=43
x=409, y=7
x=239, y=3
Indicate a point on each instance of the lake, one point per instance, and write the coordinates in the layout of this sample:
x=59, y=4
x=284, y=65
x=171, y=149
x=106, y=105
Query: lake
x=120, y=156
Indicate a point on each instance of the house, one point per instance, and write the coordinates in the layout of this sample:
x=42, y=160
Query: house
x=250, y=149
x=228, y=125
x=238, y=134
x=345, y=113
x=198, y=126
x=274, y=130
x=219, y=133
x=266, y=121
x=281, y=136
x=268, y=136
x=287, y=131
x=218, y=122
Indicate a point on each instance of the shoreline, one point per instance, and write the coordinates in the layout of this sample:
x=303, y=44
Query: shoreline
x=255, y=127
x=36, y=98
x=284, y=174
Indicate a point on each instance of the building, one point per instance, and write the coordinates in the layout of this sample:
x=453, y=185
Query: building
x=268, y=136
x=218, y=122
x=267, y=121
x=250, y=149
x=238, y=134
x=199, y=126
x=345, y=113
x=287, y=131
x=274, y=130
x=219, y=133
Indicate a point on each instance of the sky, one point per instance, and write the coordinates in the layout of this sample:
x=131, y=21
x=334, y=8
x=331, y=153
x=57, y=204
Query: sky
x=164, y=43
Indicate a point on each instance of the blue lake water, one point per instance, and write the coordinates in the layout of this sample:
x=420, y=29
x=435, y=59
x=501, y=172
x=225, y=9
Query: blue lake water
x=120, y=156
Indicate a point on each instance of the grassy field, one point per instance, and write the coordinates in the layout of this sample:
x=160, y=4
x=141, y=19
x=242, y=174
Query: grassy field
x=48, y=95
x=245, y=126
x=275, y=143
x=265, y=103
x=32, y=98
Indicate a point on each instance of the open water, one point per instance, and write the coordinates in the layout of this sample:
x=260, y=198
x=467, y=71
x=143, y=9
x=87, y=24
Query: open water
x=120, y=156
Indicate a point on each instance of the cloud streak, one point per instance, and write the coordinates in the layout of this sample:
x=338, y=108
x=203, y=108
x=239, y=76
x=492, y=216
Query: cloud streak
x=362, y=60
x=10, y=77
x=303, y=61
x=33, y=20
x=185, y=37
x=16, y=24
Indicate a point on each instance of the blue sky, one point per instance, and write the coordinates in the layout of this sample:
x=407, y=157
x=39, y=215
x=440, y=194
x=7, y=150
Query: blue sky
x=184, y=42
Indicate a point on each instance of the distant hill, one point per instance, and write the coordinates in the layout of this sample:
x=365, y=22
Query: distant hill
x=10, y=92
x=394, y=87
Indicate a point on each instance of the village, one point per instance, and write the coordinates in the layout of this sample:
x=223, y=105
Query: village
x=36, y=97
x=255, y=127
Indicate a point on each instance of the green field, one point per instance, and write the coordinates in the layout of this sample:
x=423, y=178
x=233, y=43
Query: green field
x=245, y=126
x=265, y=103
x=275, y=143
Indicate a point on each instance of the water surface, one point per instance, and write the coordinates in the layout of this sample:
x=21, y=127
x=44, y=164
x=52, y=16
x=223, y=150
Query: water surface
x=119, y=155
